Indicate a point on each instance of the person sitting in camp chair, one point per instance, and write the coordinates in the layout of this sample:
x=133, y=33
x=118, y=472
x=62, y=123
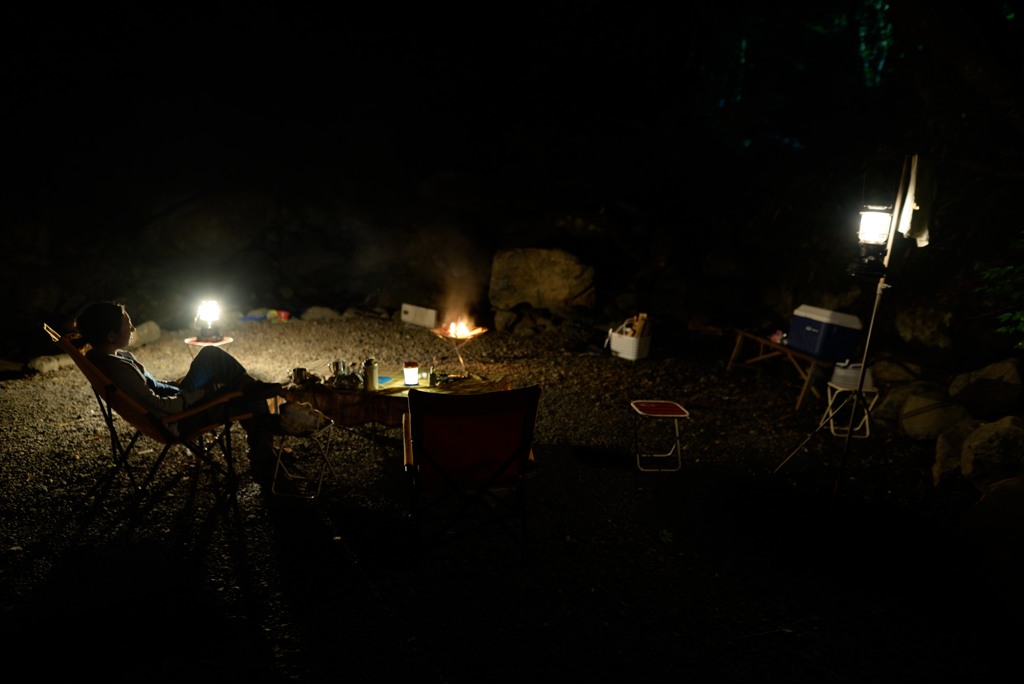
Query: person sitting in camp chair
x=106, y=329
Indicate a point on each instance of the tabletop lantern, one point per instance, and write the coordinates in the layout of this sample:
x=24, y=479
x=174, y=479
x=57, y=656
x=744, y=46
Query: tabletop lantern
x=206, y=319
x=411, y=373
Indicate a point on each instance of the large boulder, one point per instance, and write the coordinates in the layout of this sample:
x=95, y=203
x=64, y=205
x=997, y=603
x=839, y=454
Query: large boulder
x=927, y=415
x=549, y=279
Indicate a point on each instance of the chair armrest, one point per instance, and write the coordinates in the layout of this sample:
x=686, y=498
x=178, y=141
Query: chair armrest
x=218, y=400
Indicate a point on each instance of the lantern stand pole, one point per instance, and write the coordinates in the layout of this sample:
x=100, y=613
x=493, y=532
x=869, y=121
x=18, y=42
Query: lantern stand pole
x=858, y=396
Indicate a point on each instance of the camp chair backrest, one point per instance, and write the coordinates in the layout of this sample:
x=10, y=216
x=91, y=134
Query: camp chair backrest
x=475, y=439
x=126, y=407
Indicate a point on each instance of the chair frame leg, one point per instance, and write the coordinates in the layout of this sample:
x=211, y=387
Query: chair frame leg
x=321, y=441
x=658, y=409
x=675, y=451
x=867, y=399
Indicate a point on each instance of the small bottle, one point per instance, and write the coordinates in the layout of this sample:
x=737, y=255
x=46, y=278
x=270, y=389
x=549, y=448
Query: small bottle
x=433, y=377
x=370, y=375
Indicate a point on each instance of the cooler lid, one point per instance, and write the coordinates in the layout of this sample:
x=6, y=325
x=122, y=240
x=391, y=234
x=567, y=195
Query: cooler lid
x=828, y=316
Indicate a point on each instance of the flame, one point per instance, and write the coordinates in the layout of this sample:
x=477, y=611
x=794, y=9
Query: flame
x=461, y=330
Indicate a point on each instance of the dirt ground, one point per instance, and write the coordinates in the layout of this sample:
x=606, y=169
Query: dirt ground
x=722, y=571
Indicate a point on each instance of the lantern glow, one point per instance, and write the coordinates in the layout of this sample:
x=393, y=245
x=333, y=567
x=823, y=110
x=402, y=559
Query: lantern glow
x=206, y=316
x=875, y=224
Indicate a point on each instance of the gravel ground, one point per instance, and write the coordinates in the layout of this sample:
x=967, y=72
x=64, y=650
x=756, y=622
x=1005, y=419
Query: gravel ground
x=723, y=571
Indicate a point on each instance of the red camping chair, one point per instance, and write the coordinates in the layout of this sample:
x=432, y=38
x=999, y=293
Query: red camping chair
x=466, y=455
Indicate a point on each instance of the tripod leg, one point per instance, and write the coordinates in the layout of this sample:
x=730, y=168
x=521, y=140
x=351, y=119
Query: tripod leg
x=824, y=421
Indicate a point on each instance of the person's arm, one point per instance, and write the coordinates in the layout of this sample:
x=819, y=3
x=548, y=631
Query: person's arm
x=128, y=378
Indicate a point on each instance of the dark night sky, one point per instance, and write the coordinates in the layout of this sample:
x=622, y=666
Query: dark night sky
x=138, y=94
x=640, y=102
x=743, y=113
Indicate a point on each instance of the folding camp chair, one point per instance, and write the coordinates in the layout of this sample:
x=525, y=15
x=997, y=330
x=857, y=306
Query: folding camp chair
x=199, y=440
x=466, y=455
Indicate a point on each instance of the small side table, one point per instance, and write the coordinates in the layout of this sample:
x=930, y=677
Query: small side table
x=194, y=344
x=658, y=408
x=838, y=398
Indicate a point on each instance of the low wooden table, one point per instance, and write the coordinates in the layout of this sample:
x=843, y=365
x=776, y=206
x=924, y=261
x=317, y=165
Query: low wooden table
x=804, y=363
x=384, y=406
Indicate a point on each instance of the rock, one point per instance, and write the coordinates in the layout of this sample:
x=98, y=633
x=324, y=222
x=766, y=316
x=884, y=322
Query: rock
x=948, y=451
x=887, y=411
x=319, y=313
x=925, y=326
x=505, y=320
x=146, y=332
x=993, y=452
x=926, y=416
x=991, y=391
x=548, y=279
x=994, y=528
x=889, y=372
x=39, y=364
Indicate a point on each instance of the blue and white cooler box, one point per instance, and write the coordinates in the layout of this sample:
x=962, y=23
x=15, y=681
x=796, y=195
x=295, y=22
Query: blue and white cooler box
x=823, y=333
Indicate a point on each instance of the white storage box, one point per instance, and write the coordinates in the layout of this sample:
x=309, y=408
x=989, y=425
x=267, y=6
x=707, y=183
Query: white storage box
x=629, y=347
x=419, y=315
x=823, y=333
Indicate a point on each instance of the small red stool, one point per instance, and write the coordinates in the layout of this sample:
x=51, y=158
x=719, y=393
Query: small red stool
x=658, y=408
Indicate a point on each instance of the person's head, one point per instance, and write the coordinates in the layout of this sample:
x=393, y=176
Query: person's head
x=105, y=323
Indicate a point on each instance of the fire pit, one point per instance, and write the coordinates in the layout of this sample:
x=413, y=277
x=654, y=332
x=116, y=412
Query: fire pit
x=459, y=333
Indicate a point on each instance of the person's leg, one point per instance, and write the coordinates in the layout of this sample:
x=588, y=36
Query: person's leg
x=258, y=433
x=260, y=440
x=215, y=367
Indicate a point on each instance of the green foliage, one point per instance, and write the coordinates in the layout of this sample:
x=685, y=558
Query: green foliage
x=875, y=33
x=1003, y=290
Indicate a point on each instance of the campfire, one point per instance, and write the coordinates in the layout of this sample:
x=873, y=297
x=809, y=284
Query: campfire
x=459, y=332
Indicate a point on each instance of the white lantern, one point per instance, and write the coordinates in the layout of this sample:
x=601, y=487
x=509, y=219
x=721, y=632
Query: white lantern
x=206, y=317
x=411, y=373
x=875, y=223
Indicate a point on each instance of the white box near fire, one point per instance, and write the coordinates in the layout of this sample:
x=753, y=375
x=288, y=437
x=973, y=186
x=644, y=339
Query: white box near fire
x=629, y=347
x=419, y=315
